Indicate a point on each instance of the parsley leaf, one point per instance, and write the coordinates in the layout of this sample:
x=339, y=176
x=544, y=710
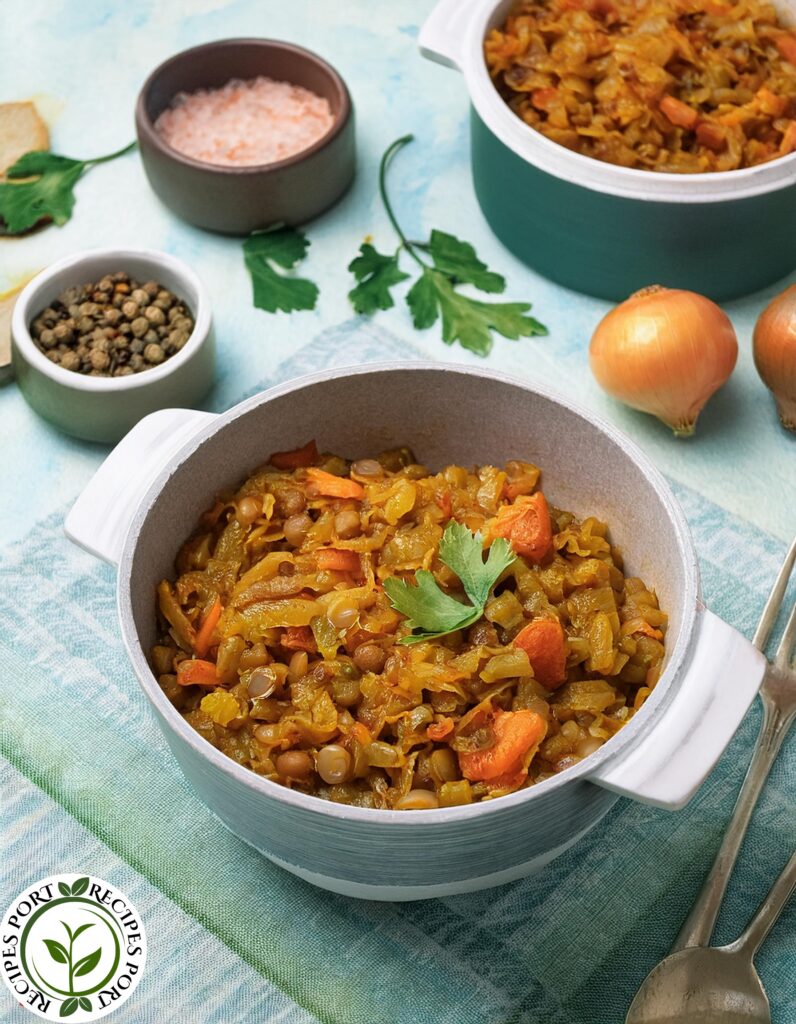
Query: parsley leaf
x=376, y=274
x=428, y=608
x=40, y=186
x=433, y=296
x=463, y=552
x=458, y=260
x=272, y=290
x=467, y=320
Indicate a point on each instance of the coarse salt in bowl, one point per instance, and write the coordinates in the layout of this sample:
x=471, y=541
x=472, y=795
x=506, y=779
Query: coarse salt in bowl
x=242, y=134
x=245, y=123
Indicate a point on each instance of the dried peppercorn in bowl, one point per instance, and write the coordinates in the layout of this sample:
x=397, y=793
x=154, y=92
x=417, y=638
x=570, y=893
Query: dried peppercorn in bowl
x=679, y=86
x=281, y=646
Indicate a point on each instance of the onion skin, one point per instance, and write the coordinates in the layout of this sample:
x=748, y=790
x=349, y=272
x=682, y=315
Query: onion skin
x=666, y=352
x=775, y=353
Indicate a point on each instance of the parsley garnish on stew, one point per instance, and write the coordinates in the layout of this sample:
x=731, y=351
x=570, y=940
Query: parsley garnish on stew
x=430, y=612
x=40, y=186
x=444, y=263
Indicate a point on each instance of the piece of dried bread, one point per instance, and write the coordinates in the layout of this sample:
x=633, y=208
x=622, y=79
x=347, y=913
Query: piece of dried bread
x=21, y=130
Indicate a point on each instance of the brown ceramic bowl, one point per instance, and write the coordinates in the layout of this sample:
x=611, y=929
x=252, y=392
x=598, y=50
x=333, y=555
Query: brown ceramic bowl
x=238, y=200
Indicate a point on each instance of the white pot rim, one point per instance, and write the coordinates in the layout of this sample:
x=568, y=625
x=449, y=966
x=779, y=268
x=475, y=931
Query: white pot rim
x=585, y=171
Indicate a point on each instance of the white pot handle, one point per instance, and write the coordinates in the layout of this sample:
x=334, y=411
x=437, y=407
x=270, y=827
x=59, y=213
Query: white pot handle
x=99, y=519
x=721, y=680
x=442, y=33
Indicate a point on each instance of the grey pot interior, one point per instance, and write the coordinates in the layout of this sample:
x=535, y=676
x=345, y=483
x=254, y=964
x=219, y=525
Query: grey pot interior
x=447, y=415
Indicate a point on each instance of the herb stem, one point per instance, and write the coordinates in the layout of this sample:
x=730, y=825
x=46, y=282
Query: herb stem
x=389, y=153
x=111, y=156
x=71, y=967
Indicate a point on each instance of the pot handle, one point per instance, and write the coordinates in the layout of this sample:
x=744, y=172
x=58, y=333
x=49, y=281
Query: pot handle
x=720, y=682
x=440, y=37
x=99, y=519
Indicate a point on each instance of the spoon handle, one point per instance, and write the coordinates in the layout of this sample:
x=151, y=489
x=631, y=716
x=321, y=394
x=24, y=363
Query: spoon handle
x=698, y=926
x=769, y=910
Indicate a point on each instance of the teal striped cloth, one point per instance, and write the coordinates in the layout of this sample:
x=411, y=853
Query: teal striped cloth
x=86, y=782
x=89, y=785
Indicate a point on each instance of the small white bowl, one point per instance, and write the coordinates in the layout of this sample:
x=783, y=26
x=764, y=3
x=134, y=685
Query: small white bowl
x=106, y=408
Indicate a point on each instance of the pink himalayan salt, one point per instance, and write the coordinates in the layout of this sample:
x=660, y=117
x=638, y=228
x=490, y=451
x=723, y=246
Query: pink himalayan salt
x=242, y=124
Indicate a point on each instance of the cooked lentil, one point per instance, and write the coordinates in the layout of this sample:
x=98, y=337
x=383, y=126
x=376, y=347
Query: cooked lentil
x=301, y=677
x=683, y=86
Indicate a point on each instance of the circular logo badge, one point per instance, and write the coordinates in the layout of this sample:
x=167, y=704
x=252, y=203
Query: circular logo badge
x=72, y=946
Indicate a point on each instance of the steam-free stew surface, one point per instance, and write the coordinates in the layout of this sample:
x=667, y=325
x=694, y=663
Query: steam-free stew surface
x=684, y=86
x=282, y=648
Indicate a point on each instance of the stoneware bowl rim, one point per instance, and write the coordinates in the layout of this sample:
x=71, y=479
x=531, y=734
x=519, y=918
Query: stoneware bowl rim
x=146, y=127
x=625, y=182
x=630, y=734
x=153, y=258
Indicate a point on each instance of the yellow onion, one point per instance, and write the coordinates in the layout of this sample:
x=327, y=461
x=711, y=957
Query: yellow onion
x=775, y=353
x=664, y=351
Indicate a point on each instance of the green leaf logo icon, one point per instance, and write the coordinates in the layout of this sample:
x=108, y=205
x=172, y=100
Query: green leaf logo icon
x=57, y=951
x=88, y=963
x=68, y=1007
x=72, y=946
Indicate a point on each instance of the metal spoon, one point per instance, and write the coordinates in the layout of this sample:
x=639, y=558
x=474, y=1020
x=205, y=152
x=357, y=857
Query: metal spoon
x=703, y=985
x=778, y=695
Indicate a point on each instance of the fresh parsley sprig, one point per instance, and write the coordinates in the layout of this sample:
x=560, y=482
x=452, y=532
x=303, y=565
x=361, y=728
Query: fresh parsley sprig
x=446, y=263
x=430, y=612
x=40, y=186
x=281, y=247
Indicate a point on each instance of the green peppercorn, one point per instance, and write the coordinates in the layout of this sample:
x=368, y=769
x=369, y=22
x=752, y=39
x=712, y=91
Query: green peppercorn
x=140, y=326
x=155, y=315
x=70, y=361
x=154, y=354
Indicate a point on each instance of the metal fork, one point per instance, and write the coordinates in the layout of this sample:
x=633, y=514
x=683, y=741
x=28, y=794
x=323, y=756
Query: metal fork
x=778, y=695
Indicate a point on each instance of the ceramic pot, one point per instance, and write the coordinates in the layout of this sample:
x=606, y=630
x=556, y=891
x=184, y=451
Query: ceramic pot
x=238, y=200
x=603, y=229
x=144, y=500
x=105, y=408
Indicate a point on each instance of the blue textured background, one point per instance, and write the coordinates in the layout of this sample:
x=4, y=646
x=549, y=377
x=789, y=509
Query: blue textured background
x=88, y=784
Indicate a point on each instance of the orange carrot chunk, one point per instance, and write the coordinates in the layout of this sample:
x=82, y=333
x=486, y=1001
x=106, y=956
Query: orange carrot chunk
x=439, y=730
x=543, y=642
x=711, y=136
x=516, y=732
x=331, y=486
x=195, y=672
x=786, y=44
x=299, y=638
x=296, y=458
x=542, y=98
x=526, y=525
x=201, y=644
x=788, y=144
x=341, y=561
x=678, y=113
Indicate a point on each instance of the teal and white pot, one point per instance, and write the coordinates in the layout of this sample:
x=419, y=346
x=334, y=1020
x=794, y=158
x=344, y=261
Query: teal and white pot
x=140, y=506
x=603, y=229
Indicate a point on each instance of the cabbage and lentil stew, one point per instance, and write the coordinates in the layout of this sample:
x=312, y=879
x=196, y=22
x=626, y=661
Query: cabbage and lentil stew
x=683, y=86
x=281, y=647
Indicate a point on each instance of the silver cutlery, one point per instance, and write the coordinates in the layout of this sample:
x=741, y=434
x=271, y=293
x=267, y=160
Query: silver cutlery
x=707, y=984
x=683, y=976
